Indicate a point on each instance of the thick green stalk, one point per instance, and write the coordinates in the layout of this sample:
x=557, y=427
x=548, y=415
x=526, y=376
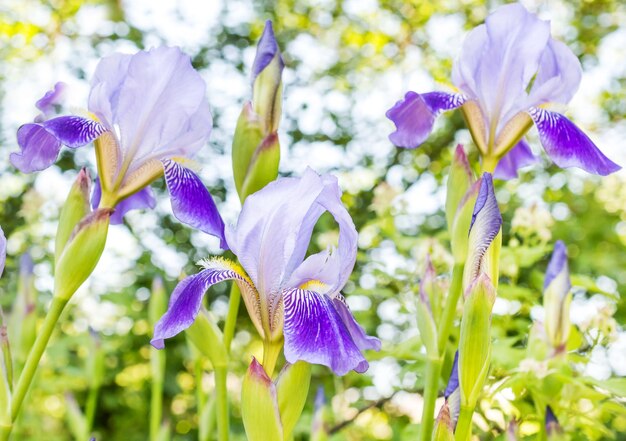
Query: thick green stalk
x=156, y=409
x=431, y=390
x=449, y=311
x=463, y=429
x=34, y=357
x=231, y=317
x=90, y=407
x=221, y=373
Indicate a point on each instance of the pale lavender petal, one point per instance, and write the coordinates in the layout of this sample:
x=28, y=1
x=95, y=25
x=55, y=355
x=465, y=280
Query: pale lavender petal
x=267, y=49
x=415, y=115
x=3, y=251
x=315, y=332
x=558, y=77
x=156, y=99
x=567, y=145
x=558, y=265
x=453, y=381
x=499, y=59
x=192, y=203
x=50, y=100
x=360, y=338
x=519, y=156
x=40, y=143
x=138, y=201
x=186, y=299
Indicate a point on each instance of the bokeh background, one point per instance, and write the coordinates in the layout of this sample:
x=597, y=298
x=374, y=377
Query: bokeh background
x=347, y=62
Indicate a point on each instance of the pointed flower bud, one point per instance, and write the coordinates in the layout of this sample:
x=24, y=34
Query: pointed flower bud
x=76, y=207
x=292, y=388
x=557, y=298
x=484, y=239
x=460, y=179
x=267, y=72
x=6, y=378
x=259, y=405
x=452, y=393
x=553, y=428
x=475, y=339
x=444, y=426
x=81, y=253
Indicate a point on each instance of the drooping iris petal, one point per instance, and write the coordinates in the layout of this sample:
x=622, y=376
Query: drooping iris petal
x=415, y=115
x=360, y=338
x=40, y=143
x=141, y=200
x=567, y=145
x=519, y=156
x=267, y=48
x=498, y=60
x=156, y=99
x=192, y=203
x=557, y=265
x=315, y=332
x=186, y=299
x=51, y=99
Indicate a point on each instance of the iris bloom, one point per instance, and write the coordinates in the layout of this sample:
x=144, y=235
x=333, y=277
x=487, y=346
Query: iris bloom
x=148, y=114
x=285, y=294
x=509, y=70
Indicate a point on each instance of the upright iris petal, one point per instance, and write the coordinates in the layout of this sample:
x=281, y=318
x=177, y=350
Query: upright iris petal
x=149, y=115
x=508, y=69
x=285, y=293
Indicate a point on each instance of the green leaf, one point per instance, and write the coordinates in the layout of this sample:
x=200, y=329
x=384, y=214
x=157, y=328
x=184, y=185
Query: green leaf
x=292, y=387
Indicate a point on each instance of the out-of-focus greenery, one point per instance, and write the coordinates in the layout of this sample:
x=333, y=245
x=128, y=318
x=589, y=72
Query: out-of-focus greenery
x=336, y=52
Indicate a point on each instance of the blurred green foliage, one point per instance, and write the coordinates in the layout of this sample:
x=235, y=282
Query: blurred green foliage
x=587, y=213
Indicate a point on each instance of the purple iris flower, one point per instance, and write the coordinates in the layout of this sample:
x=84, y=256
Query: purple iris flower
x=148, y=115
x=509, y=69
x=285, y=293
x=50, y=101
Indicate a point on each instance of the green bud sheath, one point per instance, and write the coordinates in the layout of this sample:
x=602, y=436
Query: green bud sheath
x=6, y=378
x=81, y=253
x=475, y=339
x=76, y=207
x=428, y=329
x=459, y=238
x=460, y=179
x=292, y=388
x=267, y=94
x=207, y=337
x=259, y=406
x=248, y=136
x=444, y=428
x=263, y=167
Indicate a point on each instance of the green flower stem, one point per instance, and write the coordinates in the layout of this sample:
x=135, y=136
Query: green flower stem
x=431, y=390
x=489, y=163
x=156, y=409
x=34, y=357
x=463, y=429
x=231, y=318
x=90, y=407
x=221, y=373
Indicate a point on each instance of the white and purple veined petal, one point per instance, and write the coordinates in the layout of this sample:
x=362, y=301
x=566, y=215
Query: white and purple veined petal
x=186, y=300
x=321, y=330
x=567, y=145
x=40, y=143
x=415, y=115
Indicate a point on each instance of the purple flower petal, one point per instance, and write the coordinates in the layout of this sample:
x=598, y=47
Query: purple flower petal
x=360, y=338
x=453, y=381
x=315, y=332
x=192, y=203
x=156, y=99
x=557, y=265
x=186, y=299
x=558, y=77
x=51, y=99
x=267, y=49
x=40, y=143
x=499, y=59
x=567, y=145
x=415, y=115
x=519, y=156
x=138, y=201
